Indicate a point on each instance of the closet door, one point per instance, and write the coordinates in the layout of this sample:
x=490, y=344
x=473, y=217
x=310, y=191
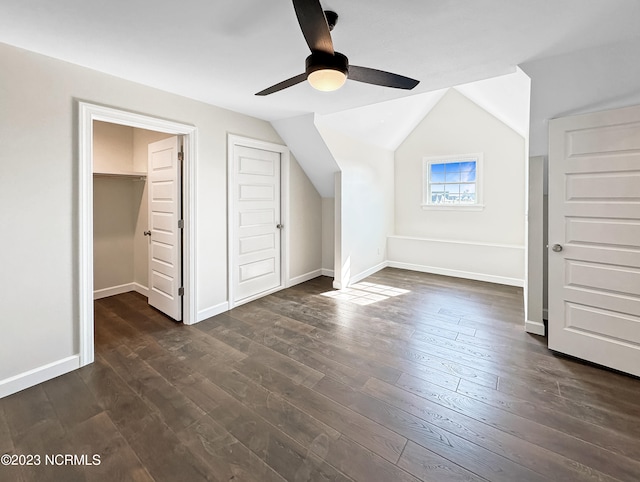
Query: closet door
x=257, y=226
x=165, y=220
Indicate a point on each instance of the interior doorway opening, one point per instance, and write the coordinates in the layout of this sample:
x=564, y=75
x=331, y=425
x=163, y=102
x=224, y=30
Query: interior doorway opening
x=89, y=115
x=121, y=222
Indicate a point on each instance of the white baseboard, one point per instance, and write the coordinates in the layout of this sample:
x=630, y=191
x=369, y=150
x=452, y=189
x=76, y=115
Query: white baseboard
x=534, y=327
x=459, y=274
x=305, y=277
x=327, y=272
x=212, y=311
x=113, y=290
x=368, y=272
x=118, y=290
x=38, y=375
x=143, y=290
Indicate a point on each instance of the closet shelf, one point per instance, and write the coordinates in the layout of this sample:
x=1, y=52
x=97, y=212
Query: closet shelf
x=126, y=174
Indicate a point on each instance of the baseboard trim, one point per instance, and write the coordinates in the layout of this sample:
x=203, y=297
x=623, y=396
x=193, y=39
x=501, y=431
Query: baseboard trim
x=212, y=311
x=535, y=327
x=327, y=272
x=113, y=290
x=38, y=375
x=458, y=274
x=118, y=290
x=368, y=272
x=143, y=290
x=305, y=277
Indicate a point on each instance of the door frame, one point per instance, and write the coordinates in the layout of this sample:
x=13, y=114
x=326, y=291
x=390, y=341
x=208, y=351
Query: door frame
x=285, y=158
x=87, y=113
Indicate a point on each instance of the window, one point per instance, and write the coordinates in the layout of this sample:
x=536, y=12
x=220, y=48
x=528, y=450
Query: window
x=452, y=182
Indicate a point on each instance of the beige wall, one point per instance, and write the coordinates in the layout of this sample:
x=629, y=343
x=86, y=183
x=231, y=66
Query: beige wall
x=305, y=215
x=112, y=147
x=120, y=254
x=39, y=174
x=488, y=243
x=113, y=232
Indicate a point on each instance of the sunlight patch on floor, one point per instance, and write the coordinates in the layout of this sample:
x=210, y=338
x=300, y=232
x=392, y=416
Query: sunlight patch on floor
x=365, y=293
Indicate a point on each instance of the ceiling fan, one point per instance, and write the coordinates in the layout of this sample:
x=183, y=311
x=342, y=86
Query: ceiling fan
x=326, y=69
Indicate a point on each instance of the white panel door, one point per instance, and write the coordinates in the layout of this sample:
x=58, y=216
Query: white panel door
x=594, y=238
x=256, y=222
x=165, y=212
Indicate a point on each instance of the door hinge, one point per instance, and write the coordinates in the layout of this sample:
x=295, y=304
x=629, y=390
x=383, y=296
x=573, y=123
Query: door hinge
x=180, y=223
x=181, y=156
x=181, y=291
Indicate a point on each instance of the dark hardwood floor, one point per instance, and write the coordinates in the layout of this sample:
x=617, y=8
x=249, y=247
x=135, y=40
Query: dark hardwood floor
x=438, y=383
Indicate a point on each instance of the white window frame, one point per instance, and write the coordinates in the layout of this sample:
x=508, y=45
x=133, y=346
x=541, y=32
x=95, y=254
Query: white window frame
x=426, y=181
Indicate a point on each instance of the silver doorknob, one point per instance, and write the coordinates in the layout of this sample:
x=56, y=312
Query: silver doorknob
x=279, y=226
x=147, y=233
x=557, y=248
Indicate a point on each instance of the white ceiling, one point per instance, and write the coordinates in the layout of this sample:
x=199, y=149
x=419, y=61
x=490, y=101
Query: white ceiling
x=387, y=124
x=222, y=52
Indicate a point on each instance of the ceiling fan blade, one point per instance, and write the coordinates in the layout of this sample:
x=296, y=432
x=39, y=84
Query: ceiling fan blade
x=380, y=77
x=314, y=25
x=284, y=84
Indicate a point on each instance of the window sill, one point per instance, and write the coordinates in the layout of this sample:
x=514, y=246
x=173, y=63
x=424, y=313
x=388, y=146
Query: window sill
x=452, y=207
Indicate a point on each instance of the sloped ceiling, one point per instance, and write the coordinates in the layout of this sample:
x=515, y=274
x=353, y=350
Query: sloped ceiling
x=387, y=124
x=307, y=145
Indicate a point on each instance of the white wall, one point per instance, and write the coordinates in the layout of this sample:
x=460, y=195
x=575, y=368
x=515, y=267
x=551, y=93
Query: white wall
x=40, y=175
x=366, y=205
x=536, y=247
x=488, y=244
x=589, y=80
x=328, y=235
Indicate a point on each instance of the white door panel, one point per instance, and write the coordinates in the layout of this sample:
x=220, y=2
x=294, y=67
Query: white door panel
x=256, y=256
x=594, y=215
x=165, y=208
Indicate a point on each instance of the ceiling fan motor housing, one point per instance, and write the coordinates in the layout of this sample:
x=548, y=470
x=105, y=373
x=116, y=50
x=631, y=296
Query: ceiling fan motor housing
x=326, y=61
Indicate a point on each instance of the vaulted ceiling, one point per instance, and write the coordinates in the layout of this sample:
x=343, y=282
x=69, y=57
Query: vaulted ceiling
x=222, y=52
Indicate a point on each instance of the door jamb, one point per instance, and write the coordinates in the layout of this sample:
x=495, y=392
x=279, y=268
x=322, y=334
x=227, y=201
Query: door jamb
x=87, y=113
x=240, y=141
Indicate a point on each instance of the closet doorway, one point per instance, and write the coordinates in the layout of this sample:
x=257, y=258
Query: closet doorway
x=137, y=215
x=136, y=208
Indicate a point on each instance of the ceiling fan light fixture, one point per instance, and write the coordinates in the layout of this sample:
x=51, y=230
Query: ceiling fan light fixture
x=326, y=72
x=327, y=80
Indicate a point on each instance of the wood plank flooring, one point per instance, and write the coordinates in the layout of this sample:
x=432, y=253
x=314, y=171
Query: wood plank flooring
x=435, y=380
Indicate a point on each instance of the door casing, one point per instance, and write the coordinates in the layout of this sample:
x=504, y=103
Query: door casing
x=87, y=113
x=233, y=141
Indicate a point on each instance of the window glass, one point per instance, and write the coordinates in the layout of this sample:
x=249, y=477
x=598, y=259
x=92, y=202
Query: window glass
x=451, y=183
